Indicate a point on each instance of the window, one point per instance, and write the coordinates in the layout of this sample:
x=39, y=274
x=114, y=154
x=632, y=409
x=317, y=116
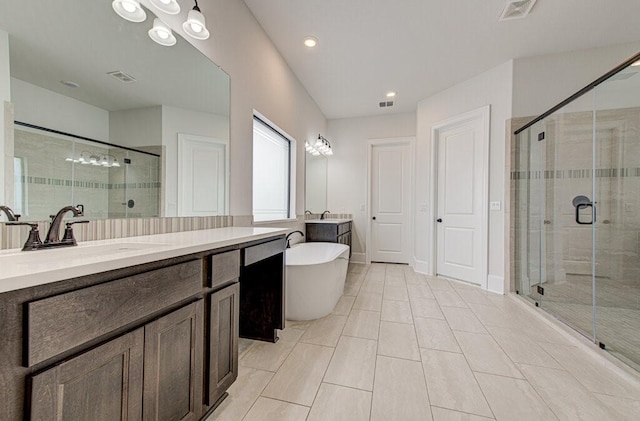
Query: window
x=272, y=184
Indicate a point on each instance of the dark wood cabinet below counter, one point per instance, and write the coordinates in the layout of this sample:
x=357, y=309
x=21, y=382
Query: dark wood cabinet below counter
x=329, y=232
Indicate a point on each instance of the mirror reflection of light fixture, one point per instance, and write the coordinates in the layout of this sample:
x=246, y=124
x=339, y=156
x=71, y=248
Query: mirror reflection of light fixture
x=88, y=158
x=195, y=25
x=170, y=7
x=161, y=33
x=321, y=147
x=129, y=10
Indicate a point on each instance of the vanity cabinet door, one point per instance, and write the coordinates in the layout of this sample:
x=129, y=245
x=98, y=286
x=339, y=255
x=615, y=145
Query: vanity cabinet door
x=223, y=357
x=103, y=384
x=173, y=361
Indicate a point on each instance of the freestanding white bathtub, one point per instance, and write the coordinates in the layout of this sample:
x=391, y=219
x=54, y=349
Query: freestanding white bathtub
x=316, y=273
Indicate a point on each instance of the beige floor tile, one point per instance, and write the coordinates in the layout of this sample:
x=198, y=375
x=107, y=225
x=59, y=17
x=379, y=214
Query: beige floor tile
x=420, y=291
x=374, y=276
x=353, y=363
x=463, y=319
x=474, y=295
x=441, y=414
x=242, y=394
x=368, y=301
x=266, y=356
x=300, y=376
x=449, y=299
x=592, y=373
x=399, y=392
x=395, y=281
x=438, y=284
x=485, y=355
x=625, y=409
x=297, y=324
x=351, y=289
x=344, y=305
x=451, y=383
x=491, y=315
x=377, y=267
x=425, y=307
x=355, y=278
x=566, y=397
x=415, y=279
x=398, y=340
x=396, y=311
x=243, y=345
x=397, y=293
x=337, y=403
x=362, y=324
x=269, y=410
x=513, y=399
x=435, y=334
x=290, y=334
x=374, y=287
x=357, y=268
x=521, y=349
x=325, y=331
x=396, y=270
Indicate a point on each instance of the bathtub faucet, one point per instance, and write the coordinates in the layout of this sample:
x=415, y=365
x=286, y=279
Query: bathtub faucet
x=323, y=214
x=290, y=234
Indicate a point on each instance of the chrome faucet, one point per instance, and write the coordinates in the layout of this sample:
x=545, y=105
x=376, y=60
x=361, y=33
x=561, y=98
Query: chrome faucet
x=53, y=236
x=323, y=214
x=290, y=234
x=11, y=216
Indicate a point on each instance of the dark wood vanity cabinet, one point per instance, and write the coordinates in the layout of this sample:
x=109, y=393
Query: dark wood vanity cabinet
x=158, y=341
x=339, y=232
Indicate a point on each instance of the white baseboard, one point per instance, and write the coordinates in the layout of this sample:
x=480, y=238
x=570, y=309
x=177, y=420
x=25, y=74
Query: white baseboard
x=358, y=258
x=420, y=266
x=495, y=284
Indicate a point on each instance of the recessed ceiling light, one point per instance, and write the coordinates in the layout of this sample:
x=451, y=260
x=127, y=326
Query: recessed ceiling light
x=391, y=94
x=310, y=42
x=69, y=83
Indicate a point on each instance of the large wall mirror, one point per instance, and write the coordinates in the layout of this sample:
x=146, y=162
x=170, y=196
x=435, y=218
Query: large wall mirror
x=316, y=183
x=106, y=117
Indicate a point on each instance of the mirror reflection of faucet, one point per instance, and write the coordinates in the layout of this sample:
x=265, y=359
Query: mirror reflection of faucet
x=11, y=216
x=323, y=214
x=53, y=235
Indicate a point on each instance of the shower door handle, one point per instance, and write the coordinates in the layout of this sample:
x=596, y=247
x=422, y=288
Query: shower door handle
x=584, y=206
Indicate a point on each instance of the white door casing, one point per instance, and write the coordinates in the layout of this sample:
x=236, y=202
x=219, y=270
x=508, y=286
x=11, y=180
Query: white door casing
x=202, y=175
x=460, y=246
x=390, y=200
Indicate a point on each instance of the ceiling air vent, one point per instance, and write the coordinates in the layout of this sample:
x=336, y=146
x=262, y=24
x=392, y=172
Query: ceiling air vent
x=385, y=104
x=517, y=9
x=122, y=76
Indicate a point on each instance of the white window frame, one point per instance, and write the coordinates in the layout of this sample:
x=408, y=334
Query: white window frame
x=292, y=171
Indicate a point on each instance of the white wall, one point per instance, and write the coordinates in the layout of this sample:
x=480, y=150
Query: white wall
x=5, y=96
x=493, y=87
x=260, y=80
x=347, y=169
x=49, y=109
x=541, y=82
x=137, y=127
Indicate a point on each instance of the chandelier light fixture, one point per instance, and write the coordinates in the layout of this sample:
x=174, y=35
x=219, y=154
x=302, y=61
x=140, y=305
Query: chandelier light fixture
x=170, y=7
x=129, y=10
x=195, y=25
x=162, y=34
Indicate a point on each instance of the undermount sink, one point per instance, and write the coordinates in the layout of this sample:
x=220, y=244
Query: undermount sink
x=82, y=250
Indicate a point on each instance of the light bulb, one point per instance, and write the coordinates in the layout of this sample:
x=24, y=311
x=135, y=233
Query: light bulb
x=129, y=10
x=195, y=25
x=170, y=7
x=161, y=34
x=128, y=6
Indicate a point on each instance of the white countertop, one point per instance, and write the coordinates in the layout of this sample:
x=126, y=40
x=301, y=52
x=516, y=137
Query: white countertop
x=23, y=269
x=327, y=221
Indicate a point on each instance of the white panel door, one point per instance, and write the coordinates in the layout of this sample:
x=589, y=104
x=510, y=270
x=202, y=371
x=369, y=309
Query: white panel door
x=202, y=176
x=461, y=243
x=390, y=203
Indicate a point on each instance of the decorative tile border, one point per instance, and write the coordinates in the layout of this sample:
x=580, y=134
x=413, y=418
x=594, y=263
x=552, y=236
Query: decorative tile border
x=88, y=184
x=578, y=173
x=14, y=237
x=313, y=216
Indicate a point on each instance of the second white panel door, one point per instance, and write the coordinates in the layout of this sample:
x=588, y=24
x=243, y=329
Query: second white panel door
x=390, y=202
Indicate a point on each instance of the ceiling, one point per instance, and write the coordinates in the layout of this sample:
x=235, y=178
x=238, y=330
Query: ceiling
x=420, y=47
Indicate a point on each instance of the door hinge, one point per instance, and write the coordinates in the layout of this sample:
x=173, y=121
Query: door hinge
x=601, y=345
x=540, y=290
x=540, y=136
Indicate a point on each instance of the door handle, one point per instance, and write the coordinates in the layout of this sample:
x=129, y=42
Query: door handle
x=584, y=206
x=374, y=218
x=439, y=220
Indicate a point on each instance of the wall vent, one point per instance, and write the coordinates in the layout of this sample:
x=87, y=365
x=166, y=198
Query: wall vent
x=122, y=76
x=384, y=104
x=517, y=9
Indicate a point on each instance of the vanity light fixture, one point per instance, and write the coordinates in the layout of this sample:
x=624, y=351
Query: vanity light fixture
x=320, y=147
x=636, y=64
x=129, y=10
x=195, y=25
x=170, y=7
x=161, y=33
x=88, y=158
x=310, y=42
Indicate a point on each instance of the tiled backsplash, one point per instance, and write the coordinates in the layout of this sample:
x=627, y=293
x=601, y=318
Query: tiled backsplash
x=14, y=237
x=313, y=216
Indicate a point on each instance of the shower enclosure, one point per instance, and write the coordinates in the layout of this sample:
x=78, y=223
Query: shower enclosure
x=576, y=211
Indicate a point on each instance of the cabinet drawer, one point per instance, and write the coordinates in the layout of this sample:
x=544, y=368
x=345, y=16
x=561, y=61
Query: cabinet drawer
x=262, y=251
x=60, y=323
x=224, y=267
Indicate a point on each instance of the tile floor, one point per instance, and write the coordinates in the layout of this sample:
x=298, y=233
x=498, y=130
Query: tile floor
x=403, y=346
